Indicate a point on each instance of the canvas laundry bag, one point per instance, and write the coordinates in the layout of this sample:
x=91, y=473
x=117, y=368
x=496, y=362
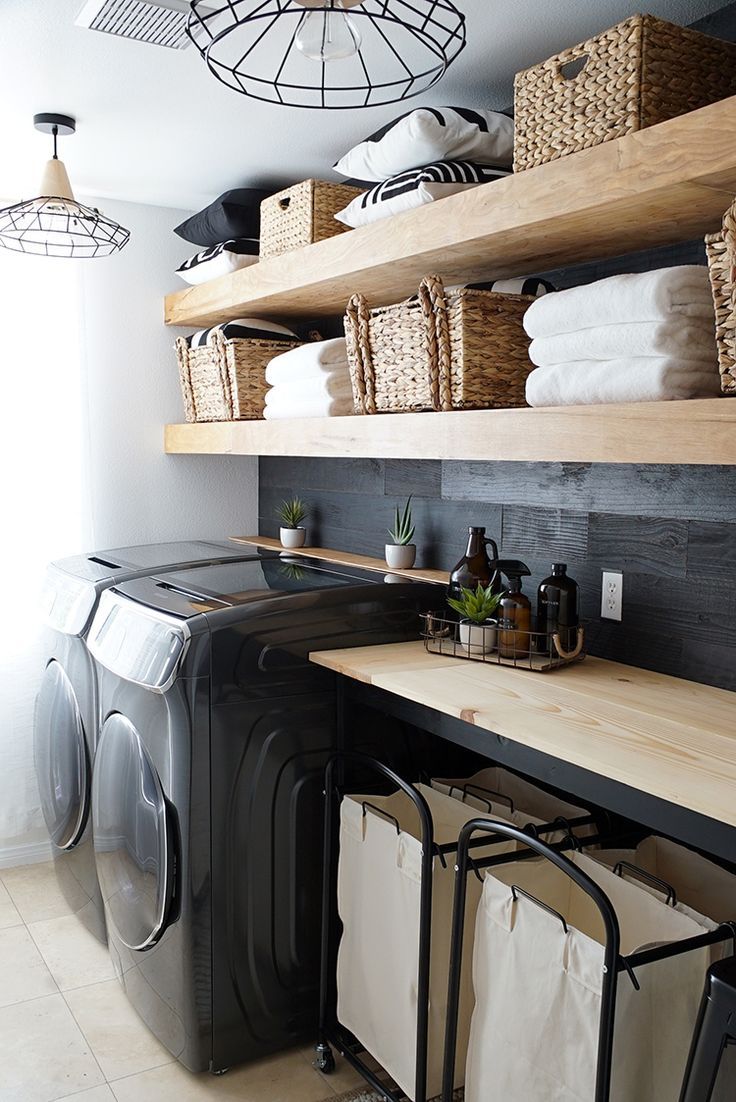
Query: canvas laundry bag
x=529, y=802
x=378, y=894
x=703, y=888
x=534, y=1034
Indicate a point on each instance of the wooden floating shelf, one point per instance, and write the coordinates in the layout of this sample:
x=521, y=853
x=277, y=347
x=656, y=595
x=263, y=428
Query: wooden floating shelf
x=669, y=183
x=344, y=558
x=701, y=431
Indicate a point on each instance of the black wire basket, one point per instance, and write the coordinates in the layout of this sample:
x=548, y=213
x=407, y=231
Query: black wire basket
x=499, y=643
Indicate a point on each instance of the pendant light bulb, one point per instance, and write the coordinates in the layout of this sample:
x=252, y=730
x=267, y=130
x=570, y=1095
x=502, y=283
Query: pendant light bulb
x=327, y=33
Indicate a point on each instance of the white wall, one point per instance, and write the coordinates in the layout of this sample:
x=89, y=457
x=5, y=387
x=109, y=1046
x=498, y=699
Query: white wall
x=139, y=494
x=134, y=493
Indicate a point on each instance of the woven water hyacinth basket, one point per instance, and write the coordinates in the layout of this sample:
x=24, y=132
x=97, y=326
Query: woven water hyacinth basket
x=641, y=72
x=303, y=214
x=225, y=380
x=462, y=349
x=721, y=250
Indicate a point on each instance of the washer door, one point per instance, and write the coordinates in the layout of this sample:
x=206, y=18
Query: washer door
x=133, y=835
x=62, y=762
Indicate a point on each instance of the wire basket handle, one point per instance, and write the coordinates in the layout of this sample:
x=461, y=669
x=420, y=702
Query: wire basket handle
x=568, y=655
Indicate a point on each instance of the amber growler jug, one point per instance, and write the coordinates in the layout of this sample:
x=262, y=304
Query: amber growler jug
x=475, y=566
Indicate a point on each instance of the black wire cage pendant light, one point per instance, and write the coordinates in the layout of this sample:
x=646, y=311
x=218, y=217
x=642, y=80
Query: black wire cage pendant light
x=54, y=223
x=330, y=54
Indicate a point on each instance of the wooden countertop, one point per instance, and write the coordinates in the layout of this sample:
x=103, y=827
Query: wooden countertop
x=671, y=738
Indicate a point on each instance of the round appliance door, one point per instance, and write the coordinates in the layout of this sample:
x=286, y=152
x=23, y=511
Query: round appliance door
x=133, y=834
x=61, y=759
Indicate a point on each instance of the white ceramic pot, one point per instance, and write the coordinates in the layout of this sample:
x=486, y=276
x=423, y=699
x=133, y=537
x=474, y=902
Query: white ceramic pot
x=292, y=537
x=400, y=556
x=478, y=638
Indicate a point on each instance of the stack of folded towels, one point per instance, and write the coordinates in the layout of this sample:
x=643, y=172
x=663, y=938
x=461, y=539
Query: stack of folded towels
x=310, y=381
x=631, y=338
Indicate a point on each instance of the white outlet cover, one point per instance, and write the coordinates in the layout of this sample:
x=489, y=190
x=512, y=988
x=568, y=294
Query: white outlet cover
x=612, y=595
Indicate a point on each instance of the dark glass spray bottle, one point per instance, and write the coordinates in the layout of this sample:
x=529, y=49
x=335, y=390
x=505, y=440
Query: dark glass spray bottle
x=475, y=565
x=558, y=608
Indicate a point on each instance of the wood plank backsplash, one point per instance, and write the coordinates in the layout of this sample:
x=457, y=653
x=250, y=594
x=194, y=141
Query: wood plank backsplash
x=672, y=530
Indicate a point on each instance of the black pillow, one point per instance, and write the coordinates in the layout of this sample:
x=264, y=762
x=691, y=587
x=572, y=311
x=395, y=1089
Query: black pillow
x=235, y=213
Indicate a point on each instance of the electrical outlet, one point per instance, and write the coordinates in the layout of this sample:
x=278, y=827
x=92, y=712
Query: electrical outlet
x=612, y=595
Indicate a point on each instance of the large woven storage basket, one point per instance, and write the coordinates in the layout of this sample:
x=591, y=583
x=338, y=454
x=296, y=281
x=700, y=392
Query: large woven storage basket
x=303, y=214
x=639, y=73
x=225, y=380
x=721, y=250
x=461, y=349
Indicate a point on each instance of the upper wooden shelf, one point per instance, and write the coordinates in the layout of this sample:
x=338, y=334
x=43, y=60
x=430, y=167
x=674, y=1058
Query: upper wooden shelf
x=669, y=183
x=700, y=431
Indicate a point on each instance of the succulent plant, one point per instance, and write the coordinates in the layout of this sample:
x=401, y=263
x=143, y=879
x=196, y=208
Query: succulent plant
x=476, y=605
x=291, y=512
x=402, y=532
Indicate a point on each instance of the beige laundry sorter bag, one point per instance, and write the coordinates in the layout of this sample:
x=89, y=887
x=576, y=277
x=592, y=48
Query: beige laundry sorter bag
x=534, y=1034
x=527, y=799
x=378, y=892
x=703, y=888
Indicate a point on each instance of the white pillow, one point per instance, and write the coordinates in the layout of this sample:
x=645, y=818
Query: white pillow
x=219, y=260
x=244, y=329
x=431, y=134
x=414, y=189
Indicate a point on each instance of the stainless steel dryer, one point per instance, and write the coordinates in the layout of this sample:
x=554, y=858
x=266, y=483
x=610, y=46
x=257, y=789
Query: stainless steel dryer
x=66, y=718
x=207, y=790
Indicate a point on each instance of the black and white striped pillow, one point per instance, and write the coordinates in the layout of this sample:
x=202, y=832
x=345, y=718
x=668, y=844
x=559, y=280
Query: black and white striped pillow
x=415, y=189
x=244, y=329
x=218, y=260
x=429, y=134
x=524, y=285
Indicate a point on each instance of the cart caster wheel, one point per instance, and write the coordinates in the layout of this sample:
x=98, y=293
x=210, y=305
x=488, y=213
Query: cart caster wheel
x=325, y=1061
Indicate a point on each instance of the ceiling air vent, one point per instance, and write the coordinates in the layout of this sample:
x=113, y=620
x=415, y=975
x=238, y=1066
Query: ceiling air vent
x=160, y=22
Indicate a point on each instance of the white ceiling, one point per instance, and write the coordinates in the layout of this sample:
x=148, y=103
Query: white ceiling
x=156, y=127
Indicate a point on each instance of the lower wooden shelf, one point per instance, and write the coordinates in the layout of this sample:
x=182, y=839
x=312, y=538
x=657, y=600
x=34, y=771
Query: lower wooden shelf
x=701, y=431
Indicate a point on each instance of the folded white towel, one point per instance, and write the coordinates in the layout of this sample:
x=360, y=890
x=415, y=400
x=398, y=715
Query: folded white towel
x=683, y=291
x=649, y=379
x=311, y=359
x=335, y=385
x=316, y=407
x=691, y=340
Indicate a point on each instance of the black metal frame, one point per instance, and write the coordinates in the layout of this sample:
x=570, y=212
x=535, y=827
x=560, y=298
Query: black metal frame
x=330, y=1031
x=434, y=29
x=613, y=962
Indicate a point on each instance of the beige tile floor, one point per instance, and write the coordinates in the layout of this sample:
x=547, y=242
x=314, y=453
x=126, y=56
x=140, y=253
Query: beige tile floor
x=67, y=1030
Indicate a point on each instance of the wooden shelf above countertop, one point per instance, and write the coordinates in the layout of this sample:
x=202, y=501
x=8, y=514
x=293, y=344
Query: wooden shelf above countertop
x=344, y=558
x=670, y=738
x=668, y=183
x=701, y=431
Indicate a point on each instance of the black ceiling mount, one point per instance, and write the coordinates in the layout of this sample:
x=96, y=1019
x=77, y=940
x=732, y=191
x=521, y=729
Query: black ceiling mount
x=47, y=120
x=333, y=55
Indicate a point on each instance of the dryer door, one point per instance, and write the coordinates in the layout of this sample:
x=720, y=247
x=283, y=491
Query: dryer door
x=60, y=753
x=134, y=836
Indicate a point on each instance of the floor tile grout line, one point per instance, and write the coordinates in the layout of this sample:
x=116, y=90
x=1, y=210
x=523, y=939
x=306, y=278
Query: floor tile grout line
x=143, y=1071
x=85, y=1038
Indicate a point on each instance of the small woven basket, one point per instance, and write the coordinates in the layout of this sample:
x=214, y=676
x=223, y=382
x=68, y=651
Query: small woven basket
x=721, y=250
x=641, y=72
x=303, y=214
x=438, y=351
x=225, y=380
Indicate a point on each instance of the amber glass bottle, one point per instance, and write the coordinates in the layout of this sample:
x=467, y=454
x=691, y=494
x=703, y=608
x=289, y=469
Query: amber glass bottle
x=557, y=608
x=514, y=622
x=475, y=565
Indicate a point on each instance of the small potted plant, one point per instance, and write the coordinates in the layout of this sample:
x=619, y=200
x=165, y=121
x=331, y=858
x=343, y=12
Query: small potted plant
x=477, y=626
x=291, y=513
x=401, y=552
